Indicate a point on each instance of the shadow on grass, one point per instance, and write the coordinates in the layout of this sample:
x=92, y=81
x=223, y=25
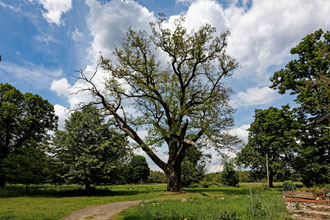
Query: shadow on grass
x=227, y=191
x=78, y=192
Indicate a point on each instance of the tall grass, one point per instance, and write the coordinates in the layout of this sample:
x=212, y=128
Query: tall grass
x=217, y=207
x=50, y=202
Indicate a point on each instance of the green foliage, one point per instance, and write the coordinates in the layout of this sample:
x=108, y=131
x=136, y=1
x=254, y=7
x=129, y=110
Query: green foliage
x=244, y=176
x=25, y=122
x=88, y=149
x=179, y=102
x=307, y=77
x=28, y=166
x=138, y=170
x=156, y=177
x=193, y=166
x=260, y=211
x=273, y=133
x=289, y=185
x=229, y=176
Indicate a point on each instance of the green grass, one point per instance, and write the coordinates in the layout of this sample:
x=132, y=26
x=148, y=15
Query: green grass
x=49, y=202
x=237, y=205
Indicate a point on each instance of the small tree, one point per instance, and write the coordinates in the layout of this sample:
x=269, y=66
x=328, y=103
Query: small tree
x=194, y=166
x=179, y=103
x=272, y=139
x=229, y=176
x=88, y=148
x=138, y=169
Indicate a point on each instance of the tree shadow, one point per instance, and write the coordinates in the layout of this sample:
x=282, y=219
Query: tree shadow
x=18, y=191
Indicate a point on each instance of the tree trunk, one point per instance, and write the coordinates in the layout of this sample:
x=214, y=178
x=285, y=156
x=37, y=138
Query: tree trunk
x=173, y=175
x=271, y=178
x=2, y=179
x=87, y=187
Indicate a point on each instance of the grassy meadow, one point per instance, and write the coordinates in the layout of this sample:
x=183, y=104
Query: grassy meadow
x=50, y=202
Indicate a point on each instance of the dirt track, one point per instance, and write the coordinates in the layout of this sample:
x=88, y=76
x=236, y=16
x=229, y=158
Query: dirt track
x=101, y=212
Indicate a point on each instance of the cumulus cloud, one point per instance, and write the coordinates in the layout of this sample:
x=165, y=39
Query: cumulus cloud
x=35, y=75
x=55, y=9
x=62, y=113
x=241, y=132
x=262, y=35
x=109, y=23
x=255, y=96
x=61, y=87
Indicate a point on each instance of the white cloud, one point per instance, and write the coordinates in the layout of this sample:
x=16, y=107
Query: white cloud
x=4, y=5
x=62, y=113
x=55, y=9
x=255, y=96
x=241, y=132
x=76, y=34
x=45, y=39
x=109, y=23
x=263, y=35
x=61, y=87
x=37, y=76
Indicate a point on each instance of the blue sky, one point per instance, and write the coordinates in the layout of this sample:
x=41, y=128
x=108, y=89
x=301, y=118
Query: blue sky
x=43, y=42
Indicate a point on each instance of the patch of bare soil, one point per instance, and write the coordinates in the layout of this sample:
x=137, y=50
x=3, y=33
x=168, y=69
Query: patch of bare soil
x=101, y=212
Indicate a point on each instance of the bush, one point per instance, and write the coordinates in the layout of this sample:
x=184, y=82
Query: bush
x=229, y=176
x=288, y=185
x=204, y=183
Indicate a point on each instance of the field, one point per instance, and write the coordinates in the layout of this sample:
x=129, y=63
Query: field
x=49, y=202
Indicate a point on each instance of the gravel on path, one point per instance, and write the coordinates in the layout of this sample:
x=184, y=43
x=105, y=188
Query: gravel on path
x=101, y=212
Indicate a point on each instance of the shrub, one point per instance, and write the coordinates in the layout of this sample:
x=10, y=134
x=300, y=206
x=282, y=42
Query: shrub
x=229, y=176
x=288, y=185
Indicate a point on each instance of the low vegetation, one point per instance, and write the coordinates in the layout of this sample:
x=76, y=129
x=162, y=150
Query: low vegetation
x=50, y=202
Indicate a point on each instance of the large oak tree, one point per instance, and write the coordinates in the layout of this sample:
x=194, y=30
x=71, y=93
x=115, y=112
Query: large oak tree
x=179, y=103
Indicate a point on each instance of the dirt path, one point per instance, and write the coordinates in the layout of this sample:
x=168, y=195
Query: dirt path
x=101, y=212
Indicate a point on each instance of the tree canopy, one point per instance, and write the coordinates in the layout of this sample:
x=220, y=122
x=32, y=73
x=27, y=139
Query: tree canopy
x=138, y=169
x=88, y=148
x=179, y=102
x=273, y=133
x=308, y=75
x=308, y=78
x=25, y=121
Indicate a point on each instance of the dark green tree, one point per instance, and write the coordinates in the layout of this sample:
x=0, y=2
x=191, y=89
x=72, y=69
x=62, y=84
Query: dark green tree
x=25, y=121
x=88, y=148
x=179, y=102
x=194, y=166
x=307, y=77
x=29, y=165
x=138, y=169
x=229, y=176
x=273, y=134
